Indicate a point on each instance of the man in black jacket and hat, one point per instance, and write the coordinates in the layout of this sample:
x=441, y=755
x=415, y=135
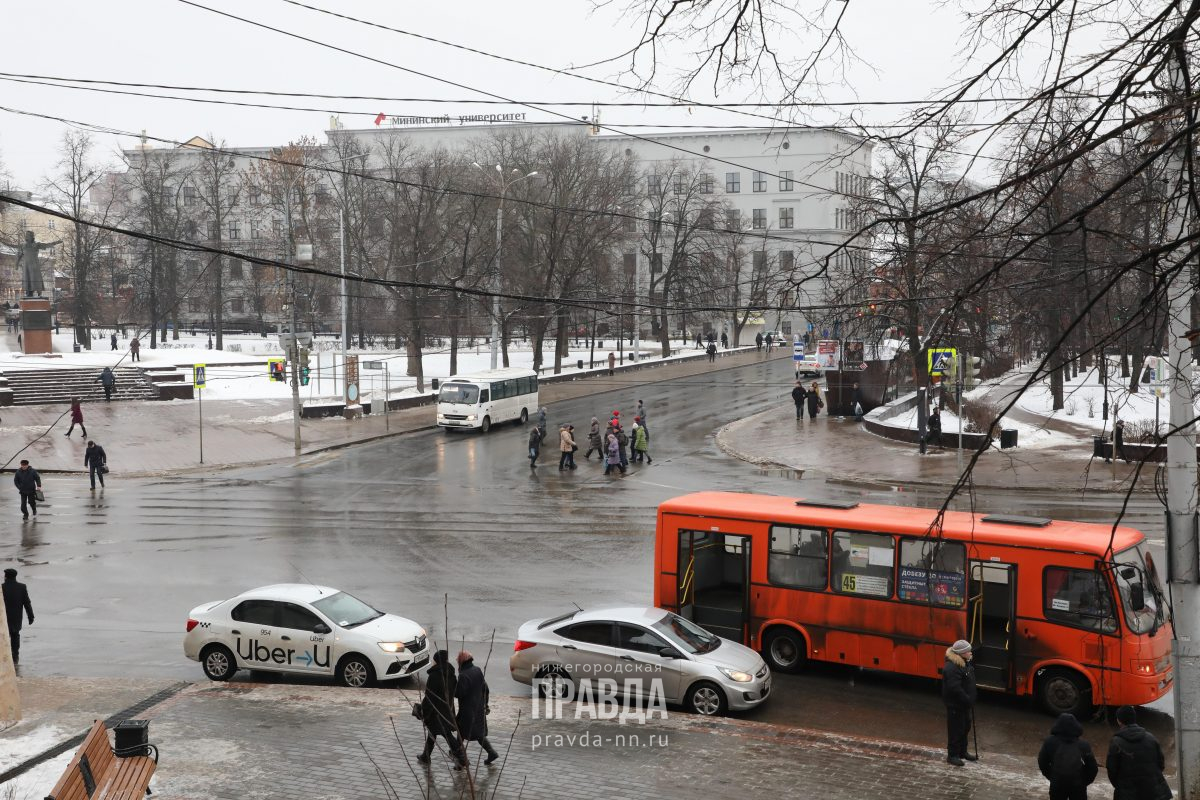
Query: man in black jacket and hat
x=958, y=694
x=473, y=694
x=1067, y=760
x=437, y=709
x=28, y=482
x=1135, y=761
x=16, y=600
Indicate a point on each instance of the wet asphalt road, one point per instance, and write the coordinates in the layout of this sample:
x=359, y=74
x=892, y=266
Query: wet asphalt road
x=410, y=521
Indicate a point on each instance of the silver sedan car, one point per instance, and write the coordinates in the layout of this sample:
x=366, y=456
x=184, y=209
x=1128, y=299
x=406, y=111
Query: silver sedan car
x=684, y=663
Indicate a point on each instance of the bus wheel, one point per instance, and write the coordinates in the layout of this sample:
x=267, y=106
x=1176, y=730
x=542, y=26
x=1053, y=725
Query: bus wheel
x=1064, y=692
x=785, y=650
x=486, y=425
x=524, y=416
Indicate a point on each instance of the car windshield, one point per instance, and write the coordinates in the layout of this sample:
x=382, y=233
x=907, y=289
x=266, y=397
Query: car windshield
x=459, y=393
x=1135, y=569
x=687, y=634
x=346, y=610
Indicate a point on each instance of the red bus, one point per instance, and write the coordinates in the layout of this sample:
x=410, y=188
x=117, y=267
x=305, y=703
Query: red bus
x=1069, y=612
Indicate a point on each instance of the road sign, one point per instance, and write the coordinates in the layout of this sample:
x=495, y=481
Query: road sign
x=940, y=359
x=372, y=365
x=198, y=376
x=798, y=351
x=275, y=369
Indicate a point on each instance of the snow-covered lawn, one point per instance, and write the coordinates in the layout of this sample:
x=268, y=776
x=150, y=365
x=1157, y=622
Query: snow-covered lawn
x=1083, y=399
x=1030, y=436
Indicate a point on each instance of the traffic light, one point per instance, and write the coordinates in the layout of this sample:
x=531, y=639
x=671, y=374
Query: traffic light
x=302, y=363
x=277, y=370
x=971, y=366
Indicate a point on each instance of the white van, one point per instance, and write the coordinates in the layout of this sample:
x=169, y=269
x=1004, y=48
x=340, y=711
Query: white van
x=487, y=398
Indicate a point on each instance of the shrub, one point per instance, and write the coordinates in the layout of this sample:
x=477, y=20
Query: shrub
x=981, y=416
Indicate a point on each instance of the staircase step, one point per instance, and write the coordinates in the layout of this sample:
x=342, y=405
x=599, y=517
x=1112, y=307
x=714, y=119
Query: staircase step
x=57, y=386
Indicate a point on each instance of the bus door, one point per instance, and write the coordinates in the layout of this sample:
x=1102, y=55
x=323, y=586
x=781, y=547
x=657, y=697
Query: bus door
x=714, y=582
x=991, y=621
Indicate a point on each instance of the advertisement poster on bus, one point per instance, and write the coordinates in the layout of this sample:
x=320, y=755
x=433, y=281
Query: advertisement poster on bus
x=828, y=354
x=917, y=585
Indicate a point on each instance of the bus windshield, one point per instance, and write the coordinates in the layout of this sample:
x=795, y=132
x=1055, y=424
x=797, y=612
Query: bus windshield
x=1135, y=568
x=459, y=393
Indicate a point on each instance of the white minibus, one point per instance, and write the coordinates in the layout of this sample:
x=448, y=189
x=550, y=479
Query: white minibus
x=487, y=398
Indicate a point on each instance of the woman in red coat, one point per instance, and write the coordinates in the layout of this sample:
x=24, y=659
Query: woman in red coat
x=76, y=418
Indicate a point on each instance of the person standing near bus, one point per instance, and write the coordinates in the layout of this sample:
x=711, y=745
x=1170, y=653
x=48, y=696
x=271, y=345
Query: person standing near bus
x=1135, y=761
x=958, y=694
x=1067, y=761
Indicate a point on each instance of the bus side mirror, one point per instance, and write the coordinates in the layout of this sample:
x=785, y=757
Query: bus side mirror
x=1137, y=597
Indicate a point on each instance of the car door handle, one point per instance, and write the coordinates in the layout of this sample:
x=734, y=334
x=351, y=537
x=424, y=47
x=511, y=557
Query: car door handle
x=569, y=647
x=236, y=632
x=286, y=638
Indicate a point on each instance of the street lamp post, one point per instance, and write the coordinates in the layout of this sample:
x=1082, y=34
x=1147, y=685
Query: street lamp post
x=504, y=186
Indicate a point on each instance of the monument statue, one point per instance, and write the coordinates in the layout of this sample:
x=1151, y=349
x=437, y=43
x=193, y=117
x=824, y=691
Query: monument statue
x=27, y=259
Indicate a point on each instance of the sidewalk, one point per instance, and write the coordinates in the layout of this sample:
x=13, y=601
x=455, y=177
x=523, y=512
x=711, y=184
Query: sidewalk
x=845, y=450
x=250, y=740
x=155, y=437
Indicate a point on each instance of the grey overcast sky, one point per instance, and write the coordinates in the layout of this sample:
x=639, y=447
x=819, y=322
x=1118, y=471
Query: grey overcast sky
x=910, y=47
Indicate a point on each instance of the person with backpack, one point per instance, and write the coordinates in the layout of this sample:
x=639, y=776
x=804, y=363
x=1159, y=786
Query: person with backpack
x=1067, y=761
x=1135, y=761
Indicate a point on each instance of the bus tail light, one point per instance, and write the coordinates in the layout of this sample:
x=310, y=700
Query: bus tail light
x=519, y=645
x=191, y=623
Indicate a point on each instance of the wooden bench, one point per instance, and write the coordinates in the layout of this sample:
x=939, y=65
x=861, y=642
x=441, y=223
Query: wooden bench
x=97, y=773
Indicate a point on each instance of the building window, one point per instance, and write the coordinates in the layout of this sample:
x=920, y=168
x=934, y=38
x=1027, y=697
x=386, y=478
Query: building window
x=629, y=224
x=277, y=227
x=235, y=269
x=787, y=260
x=190, y=230
x=733, y=182
x=189, y=196
x=759, y=220
x=785, y=180
x=787, y=217
x=798, y=557
x=760, y=181
x=1079, y=597
x=677, y=184
x=733, y=219
x=255, y=229
x=629, y=261
x=214, y=231
x=706, y=183
x=236, y=305
x=235, y=230
x=654, y=184
x=759, y=260
x=933, y=572
x=50, y=224
x=863, y=563
x=255, y=196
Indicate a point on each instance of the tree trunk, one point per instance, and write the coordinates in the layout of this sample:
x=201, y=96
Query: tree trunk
x=560, y=342
x=454, y=306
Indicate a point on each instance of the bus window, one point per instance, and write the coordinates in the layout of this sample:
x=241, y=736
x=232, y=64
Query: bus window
x=484, y=397
x=459, y=393
x=1133, y=570
x=798, y=557
x=932, y=571
x=1078, y=597
x=863, y=563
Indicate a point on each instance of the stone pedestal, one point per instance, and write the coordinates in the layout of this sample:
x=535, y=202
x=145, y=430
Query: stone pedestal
x=36, y=326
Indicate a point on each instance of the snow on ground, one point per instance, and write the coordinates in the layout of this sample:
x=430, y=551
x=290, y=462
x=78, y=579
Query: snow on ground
x=1083, y=399
x=1031, y=436
x=240, y=371
x=37, y=782
x=19, y=748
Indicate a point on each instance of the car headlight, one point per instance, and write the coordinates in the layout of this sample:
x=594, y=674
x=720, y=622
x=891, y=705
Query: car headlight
x=470, y=417
x=737, y=675
x=392, y=647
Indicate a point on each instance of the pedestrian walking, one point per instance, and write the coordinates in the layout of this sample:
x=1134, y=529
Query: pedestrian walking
x=1067, y=761
x=541, y=423
x=594, y=441
x=1118, y=442
x=437, y=710
x=815, y=403
x=712, y=352
x=1135, y=761
x=76, y=419
x=566, y=446
x=109, y=381
x=535, y=446
x=612, y=454
x=958, y=695
x=856, y=402
x=135, y=349
x=641, y=444
x=799, y=393
x=724, y=340
x=758, y=341
x=770, y=341
x=933, y=427
x=473, y=705
x=113, y=340
x=640, y=412
x=612, y=363
x=96, y=462
x=16, y=600
x=28, y=484
x=699, y=340
x=623, y=442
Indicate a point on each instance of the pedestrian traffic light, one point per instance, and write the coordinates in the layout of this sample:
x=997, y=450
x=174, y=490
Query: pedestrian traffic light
x=304, y=374
x=302, y=363
x=277, y=370
x=971, y=366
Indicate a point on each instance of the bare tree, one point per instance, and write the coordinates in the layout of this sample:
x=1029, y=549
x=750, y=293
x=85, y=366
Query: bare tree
x=219, y=183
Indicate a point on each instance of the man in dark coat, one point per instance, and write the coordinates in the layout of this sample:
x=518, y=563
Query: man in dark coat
x=856, y=402
x=94, y=459
x=758, y=341
x=1135, y=761
x=27, y=482
x=473, y=695
x=437, y=709
x=108, y=380
x=1067, y=760
x=535, y=445
x=1119, y=442
x=798, y=395
x=958, y=694
x=16, y=599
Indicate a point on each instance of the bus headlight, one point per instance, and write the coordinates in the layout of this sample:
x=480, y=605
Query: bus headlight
x=470, y=417
x=1143, y=667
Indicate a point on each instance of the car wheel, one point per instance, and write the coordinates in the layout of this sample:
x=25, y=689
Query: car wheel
x=524, y=416
x=355, y=672
x=707, y=699
x=486, y=425
x=786, y=650
x=552, y=682
x=1064, y=692
x=218, y=662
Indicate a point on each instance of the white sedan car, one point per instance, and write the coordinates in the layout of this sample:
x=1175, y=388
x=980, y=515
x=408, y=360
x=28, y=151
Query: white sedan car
x=304, y=629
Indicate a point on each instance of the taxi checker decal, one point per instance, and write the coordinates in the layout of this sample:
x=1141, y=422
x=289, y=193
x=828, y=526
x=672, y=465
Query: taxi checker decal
x=254, y=651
